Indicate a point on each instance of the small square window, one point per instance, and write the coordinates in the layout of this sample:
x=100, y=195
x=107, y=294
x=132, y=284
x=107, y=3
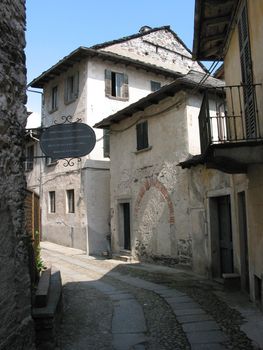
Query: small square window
x=29, y=158
x=50, y=161
x=142, y=135
x=52, y=201
x=155, y=85
x=71, y=201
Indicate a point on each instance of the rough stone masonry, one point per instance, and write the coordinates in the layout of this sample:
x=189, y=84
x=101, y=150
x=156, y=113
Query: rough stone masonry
x=16, y=326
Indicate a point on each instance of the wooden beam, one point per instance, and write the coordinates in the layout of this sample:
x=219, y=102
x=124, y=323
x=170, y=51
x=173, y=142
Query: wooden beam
x=216, y=20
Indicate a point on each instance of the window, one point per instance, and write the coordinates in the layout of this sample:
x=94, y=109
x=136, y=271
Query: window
x=71, y=201
x=52, y=201
x=71, y=88
x=29, y=158
x=116, y=85
x=155, y=85
x=50, y=161
x=106, y=143
x=54, y=98
x=142, y=135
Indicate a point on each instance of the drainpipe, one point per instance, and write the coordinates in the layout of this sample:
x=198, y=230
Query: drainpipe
x=60, y=221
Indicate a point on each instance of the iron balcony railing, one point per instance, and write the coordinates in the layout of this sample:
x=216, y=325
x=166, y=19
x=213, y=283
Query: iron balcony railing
x=230, y=114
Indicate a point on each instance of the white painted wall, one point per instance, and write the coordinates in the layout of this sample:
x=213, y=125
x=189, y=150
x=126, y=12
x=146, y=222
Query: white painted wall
x=100, y=106
x=95, y=183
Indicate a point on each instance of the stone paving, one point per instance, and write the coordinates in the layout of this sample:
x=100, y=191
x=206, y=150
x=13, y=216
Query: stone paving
x=118, y=306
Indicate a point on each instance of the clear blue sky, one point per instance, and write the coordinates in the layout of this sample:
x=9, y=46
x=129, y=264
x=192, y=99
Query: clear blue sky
x=57, y=27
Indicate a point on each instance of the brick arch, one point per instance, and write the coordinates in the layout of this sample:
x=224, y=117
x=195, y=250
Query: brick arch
x=161, y=188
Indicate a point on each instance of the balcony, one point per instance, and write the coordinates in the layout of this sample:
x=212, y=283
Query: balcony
x=231, y=127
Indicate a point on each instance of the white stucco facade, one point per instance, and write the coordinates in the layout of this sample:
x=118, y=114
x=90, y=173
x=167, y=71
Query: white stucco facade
x=88, y=227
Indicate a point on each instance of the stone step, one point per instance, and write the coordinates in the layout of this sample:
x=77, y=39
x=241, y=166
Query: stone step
x=122, y=257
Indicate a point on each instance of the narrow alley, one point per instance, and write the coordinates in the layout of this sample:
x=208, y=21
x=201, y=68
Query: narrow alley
x=108, y=304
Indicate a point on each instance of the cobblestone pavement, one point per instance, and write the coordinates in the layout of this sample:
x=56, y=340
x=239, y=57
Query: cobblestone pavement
x=114, y=305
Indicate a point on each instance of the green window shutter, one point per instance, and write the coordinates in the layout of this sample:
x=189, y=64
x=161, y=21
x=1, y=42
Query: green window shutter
x=107, y=82
x=142, y=135
x=125, y=87
x=247, y=74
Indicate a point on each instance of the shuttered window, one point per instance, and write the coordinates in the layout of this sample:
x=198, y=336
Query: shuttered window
x=247, y=73
x=142, y=135
x=71, y=88
x=116, y=85
x=106, y=143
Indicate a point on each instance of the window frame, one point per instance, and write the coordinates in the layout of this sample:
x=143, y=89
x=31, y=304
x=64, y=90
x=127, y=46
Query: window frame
x=155, y=85
x=54, y=99
x=70, y=201
x=52, y=202
x=71, y=88
x=112, y=87
x=142, y=135
x=50, y=161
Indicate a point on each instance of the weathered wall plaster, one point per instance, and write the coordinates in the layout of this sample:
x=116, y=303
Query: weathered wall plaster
x=16, y=326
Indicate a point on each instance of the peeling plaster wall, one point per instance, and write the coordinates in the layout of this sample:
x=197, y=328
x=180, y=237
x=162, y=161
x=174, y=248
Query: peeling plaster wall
x=16, y=326
x=153, y=183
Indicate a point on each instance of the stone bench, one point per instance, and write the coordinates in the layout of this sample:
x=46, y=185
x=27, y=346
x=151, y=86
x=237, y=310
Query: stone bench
x=47, y=310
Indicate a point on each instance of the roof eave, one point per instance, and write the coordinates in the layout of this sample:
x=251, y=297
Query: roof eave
x=155, y=97
x=217, y=52
x=83, y=52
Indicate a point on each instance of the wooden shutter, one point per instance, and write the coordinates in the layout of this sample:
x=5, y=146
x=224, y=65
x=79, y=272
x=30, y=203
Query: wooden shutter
x=125, y=87
x=247, y=73
x=107, y=82
x=142, y=135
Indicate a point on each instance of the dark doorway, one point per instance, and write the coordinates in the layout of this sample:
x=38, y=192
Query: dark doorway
x=242, y=217
x=126, y=226
x=221, y=236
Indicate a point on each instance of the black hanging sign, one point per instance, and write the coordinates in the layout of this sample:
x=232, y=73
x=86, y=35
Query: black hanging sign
x=64, y=140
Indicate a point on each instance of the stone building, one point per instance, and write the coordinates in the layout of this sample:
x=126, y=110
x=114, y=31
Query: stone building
x=90, y=84
x=16, y=326
x=154, y=212
x=232, y=31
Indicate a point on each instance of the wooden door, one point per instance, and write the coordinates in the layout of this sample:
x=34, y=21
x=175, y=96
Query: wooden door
x=127, y=227
x=225, y=234
x=243, y=241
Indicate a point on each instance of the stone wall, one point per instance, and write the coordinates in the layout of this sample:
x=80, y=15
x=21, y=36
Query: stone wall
x=16, y=326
